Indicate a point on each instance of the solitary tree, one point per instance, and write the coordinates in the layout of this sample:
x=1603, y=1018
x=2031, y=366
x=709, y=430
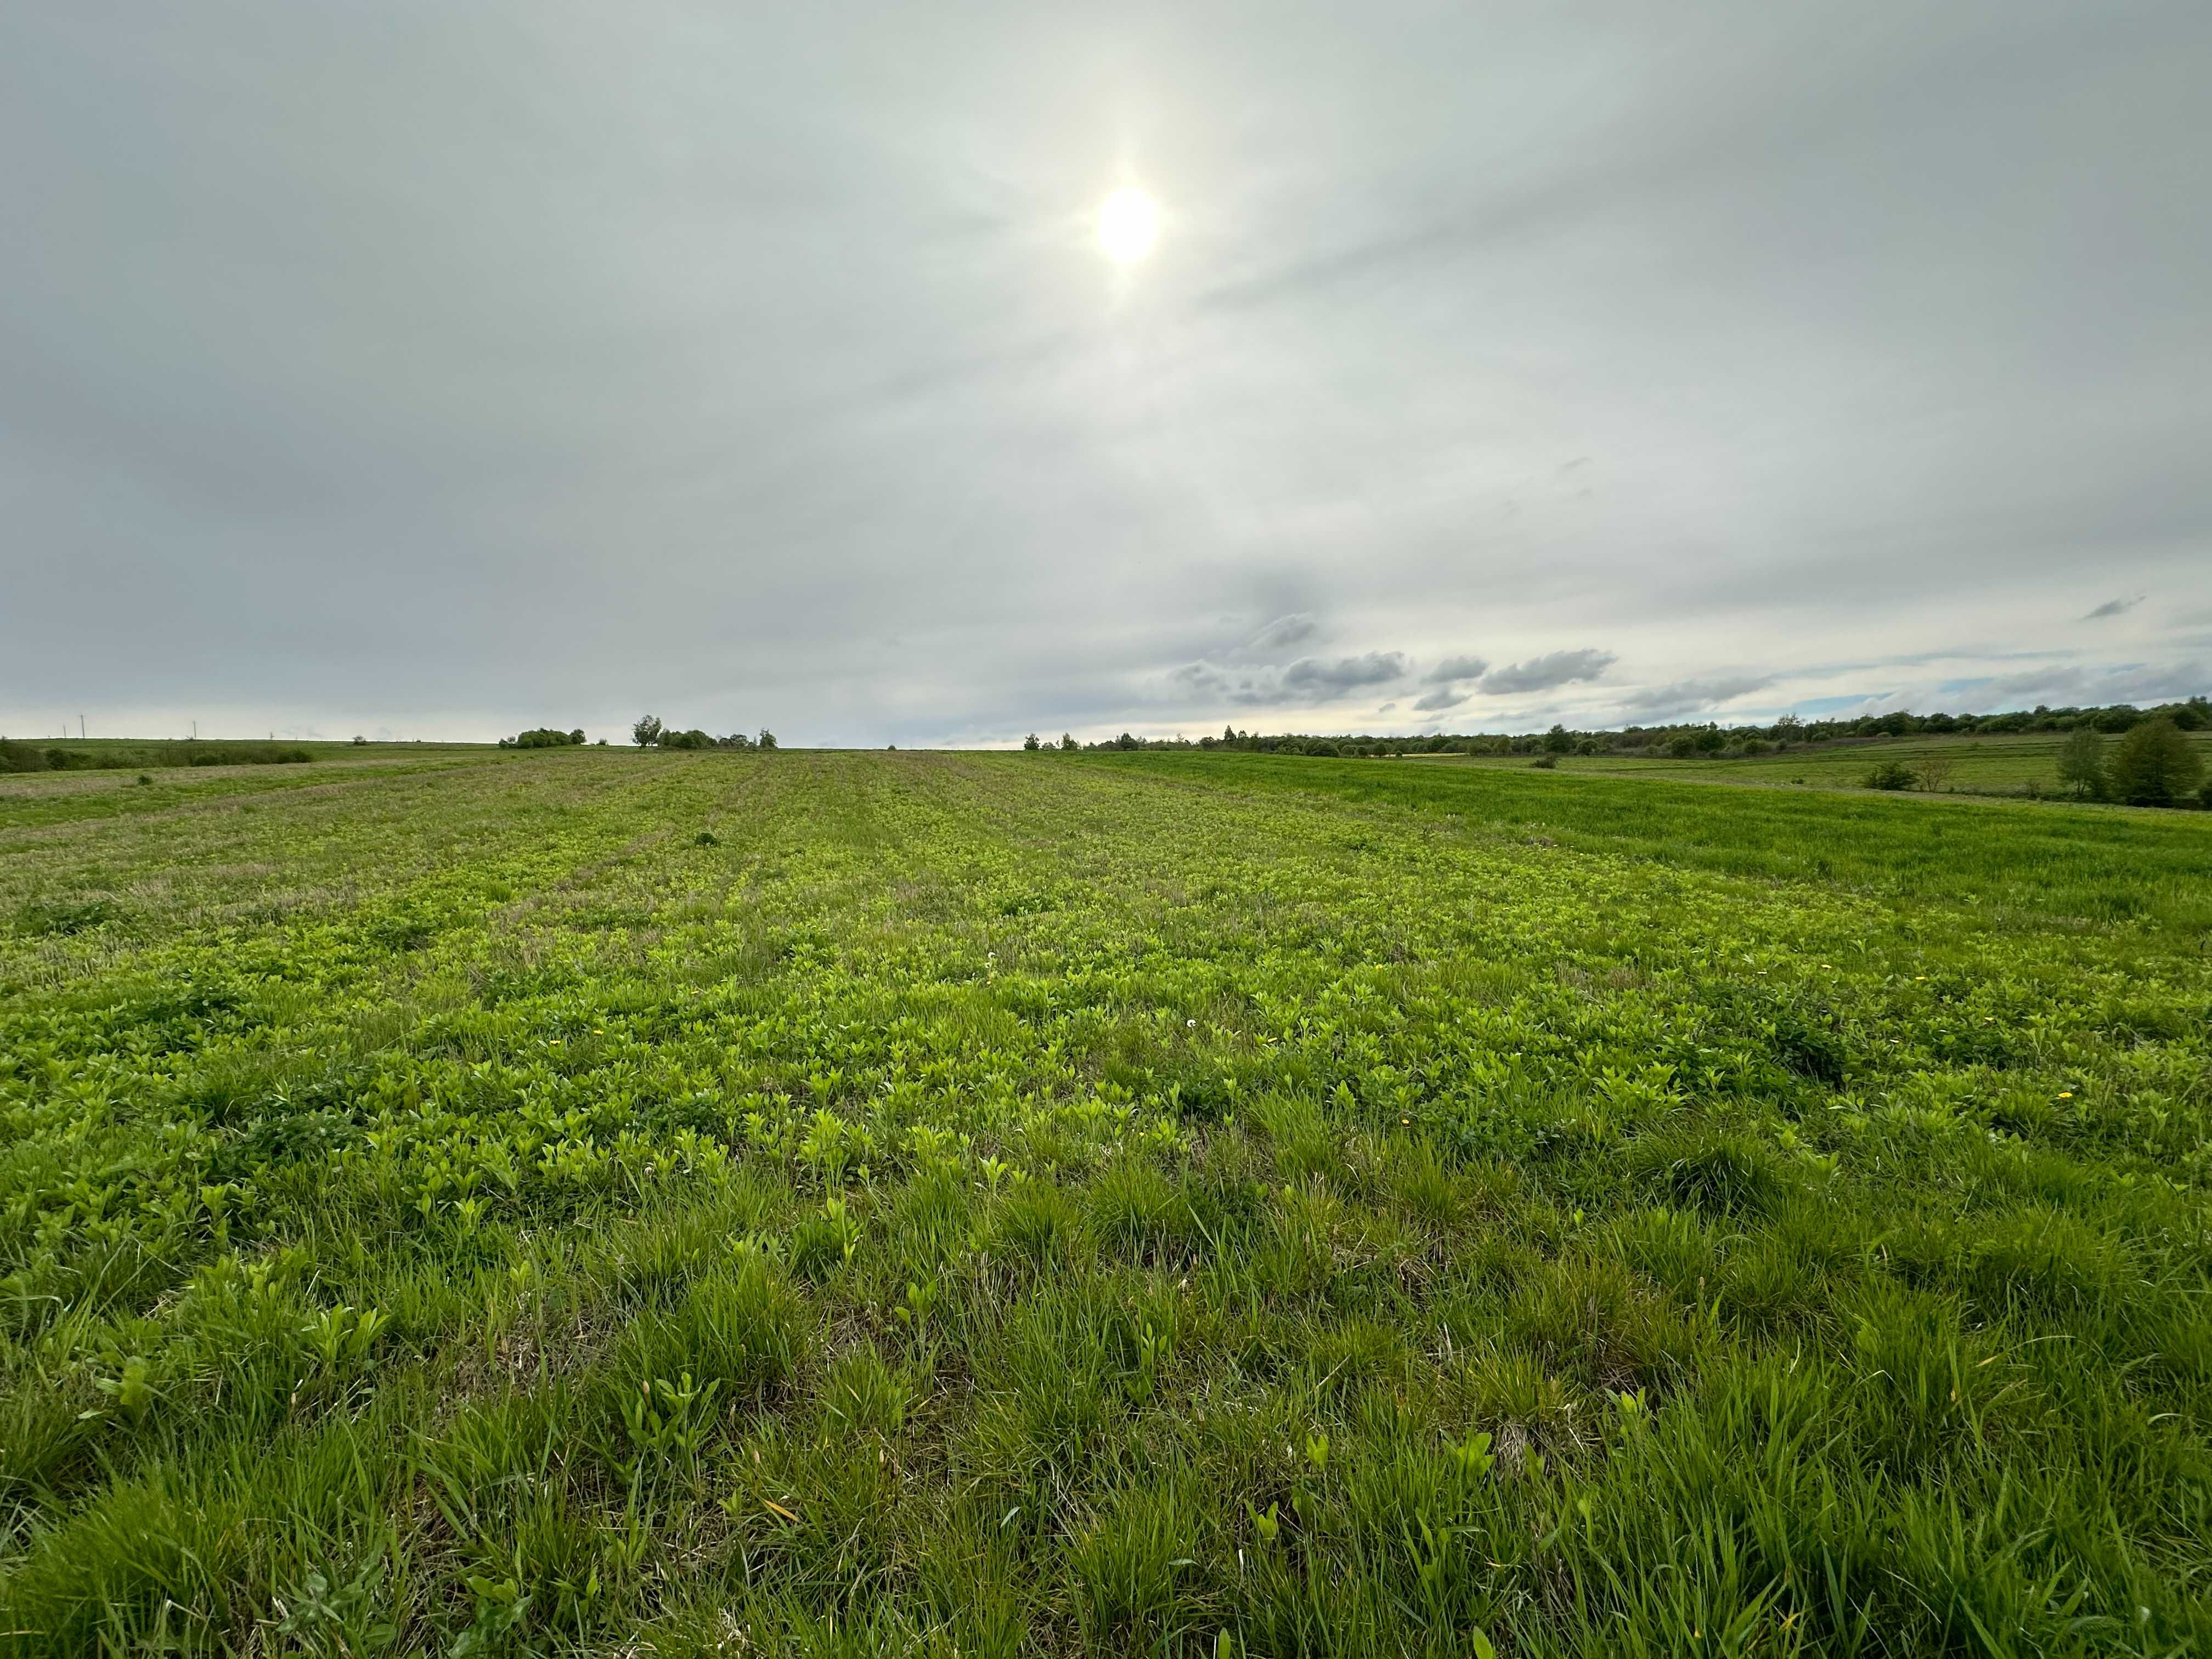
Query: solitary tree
x=767, y=738
x=2156, y=765
x=577, y=736
x=1067, y=741
x=646, y=732
x=2081, y=763
x=1031, y=743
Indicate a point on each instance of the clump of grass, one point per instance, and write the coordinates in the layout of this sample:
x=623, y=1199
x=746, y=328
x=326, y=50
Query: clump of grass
x=1719, y=1172
x=59, y=918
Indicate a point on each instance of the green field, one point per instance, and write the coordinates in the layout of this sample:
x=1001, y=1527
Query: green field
x=2007, y=764
x=592, y=1201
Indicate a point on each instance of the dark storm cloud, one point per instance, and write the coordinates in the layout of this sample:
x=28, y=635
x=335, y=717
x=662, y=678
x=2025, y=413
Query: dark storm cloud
x=1547, y=672
x=446, y=370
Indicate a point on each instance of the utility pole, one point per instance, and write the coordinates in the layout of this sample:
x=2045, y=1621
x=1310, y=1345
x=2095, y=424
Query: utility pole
x=80, y=728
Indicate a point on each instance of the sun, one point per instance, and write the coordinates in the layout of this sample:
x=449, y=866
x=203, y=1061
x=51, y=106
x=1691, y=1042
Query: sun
x=1128, y=225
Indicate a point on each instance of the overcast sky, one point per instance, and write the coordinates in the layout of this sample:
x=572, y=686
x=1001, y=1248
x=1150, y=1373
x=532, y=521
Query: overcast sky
x=435, y=369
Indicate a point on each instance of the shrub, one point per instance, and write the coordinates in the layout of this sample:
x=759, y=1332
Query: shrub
x=20, y=756
x=1545, y=763
x=2156, y=765
x=1891, y=775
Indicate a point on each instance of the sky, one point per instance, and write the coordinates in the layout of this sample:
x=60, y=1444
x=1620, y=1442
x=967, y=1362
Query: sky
x=441, y=369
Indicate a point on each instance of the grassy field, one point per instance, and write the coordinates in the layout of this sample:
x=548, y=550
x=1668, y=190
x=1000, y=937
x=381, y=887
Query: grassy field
x=596, y=1202
x=2001, y=764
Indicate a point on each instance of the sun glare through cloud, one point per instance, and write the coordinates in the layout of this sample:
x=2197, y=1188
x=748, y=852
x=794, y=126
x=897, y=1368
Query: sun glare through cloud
x=1128, y=225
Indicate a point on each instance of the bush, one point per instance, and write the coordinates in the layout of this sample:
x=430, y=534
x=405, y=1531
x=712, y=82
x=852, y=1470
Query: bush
x=1545, y=763
x=20, y=756
x=1891, y=775
x=2156, y=765
x=543, y=737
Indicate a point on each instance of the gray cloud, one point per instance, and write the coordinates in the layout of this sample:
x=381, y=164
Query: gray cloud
x=1310, y=682
x=758, y=365
x=1457, y=668
x=1547, y=672
x=1444, y=696
x=2134, y=682
x=1283, y=632
x=2115, y=607
x=1345, y=673
x=1692, y=696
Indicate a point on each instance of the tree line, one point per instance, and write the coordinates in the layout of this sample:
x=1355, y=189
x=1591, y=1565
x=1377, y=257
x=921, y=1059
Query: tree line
x=2116, y=751
x=648, y=733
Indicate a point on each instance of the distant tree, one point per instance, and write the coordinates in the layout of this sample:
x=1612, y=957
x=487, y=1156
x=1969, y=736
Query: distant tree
x=1125, y=741
x=646, y=732
x=1682, y=744
x=2156, y=765
x=1558, y=740
x=1068, y=743
x=1935, y=772
x=767, y=738
x=1891, y=774
x=577, y=736
x=2081, y=763
x=1030, y=743
x=360, y=742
